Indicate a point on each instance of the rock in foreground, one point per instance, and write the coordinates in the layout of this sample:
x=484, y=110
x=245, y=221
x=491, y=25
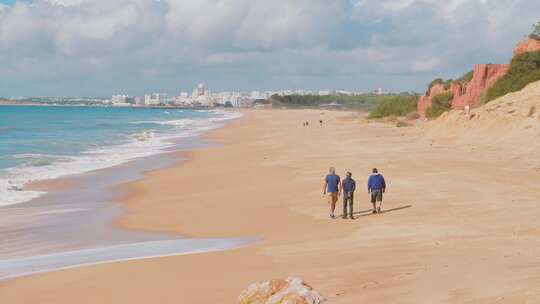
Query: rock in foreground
x=290, y=291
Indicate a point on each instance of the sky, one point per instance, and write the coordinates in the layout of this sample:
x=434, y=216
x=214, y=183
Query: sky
x=104, y=47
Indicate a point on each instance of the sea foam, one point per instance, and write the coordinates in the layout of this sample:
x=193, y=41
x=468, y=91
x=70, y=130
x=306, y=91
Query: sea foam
x=18, y=267
x=142, y=144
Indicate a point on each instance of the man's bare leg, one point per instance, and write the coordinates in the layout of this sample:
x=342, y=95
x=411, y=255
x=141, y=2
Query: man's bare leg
x=332, y=204
x=334, y=201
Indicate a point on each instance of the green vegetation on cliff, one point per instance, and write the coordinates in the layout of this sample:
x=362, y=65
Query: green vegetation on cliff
x=535, y=34
x=366, y=102
x=440, y=104
x=524, y=69
x=445, y=83
x=434, y=82
x=465, y=78
x=396, y=106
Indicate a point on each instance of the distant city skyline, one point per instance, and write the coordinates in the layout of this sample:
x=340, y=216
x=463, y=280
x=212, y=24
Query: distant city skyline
x=100, y=47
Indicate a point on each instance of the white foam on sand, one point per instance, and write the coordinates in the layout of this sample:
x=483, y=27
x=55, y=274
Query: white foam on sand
x=142, y=144
x=19, y=267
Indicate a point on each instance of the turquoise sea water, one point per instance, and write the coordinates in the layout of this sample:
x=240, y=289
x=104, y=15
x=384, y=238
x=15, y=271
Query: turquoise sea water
x=75, y=227
x=44, y=142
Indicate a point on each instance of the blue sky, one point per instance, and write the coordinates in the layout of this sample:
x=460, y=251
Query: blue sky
x=101, y=47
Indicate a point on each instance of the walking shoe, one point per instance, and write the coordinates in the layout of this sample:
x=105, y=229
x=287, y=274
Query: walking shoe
x=351, y=217
x=332, y=216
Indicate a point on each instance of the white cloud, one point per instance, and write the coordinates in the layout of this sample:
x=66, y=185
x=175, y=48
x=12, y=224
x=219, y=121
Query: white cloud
x=425, y=65
x=307, y=41
x=397, y=5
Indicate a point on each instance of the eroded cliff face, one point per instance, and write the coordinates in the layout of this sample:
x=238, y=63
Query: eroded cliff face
x=528, y=45
x=484, y=76
x=425, y=100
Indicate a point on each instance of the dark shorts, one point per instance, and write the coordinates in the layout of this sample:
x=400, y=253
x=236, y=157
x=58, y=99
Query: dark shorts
x=376, y=196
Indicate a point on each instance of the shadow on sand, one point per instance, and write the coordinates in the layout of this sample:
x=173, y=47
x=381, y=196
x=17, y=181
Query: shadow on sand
x=368, y=212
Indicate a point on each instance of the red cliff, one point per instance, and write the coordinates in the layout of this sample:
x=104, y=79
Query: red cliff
x=425, y=100
x=484, y=76
x=528, y=45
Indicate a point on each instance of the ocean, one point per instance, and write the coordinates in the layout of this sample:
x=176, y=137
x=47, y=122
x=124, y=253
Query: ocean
x=40, y=143
x=96, y=149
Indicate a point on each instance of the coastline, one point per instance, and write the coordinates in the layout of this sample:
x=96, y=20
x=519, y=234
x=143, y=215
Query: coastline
x=73, y=223
x=263, y=179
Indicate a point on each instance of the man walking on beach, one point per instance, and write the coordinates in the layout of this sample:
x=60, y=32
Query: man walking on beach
x=348, y=186
x=376, y=186
x=332, y=186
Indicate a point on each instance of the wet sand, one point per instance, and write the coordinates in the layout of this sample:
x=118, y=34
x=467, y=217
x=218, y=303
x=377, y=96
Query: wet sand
x=457, y=227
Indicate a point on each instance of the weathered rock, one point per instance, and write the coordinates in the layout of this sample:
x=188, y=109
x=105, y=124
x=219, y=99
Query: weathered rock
x=484, y=76
x=425, y=100
x=527, y=45
x=290, y=291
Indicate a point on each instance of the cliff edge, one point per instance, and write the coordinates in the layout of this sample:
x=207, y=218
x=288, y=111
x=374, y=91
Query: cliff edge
x=469, y=89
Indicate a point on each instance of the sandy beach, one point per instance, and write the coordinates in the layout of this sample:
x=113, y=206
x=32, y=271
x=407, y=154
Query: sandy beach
x=460, y=222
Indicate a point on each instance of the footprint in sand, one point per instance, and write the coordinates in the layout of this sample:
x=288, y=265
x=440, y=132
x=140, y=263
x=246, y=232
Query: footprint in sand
x=408, y=274
x=404, y=275
x=370, y=285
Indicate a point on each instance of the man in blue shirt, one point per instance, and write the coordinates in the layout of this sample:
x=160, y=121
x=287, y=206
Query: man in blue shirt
x=332, y=186
x=348, y=185
x=376, y=186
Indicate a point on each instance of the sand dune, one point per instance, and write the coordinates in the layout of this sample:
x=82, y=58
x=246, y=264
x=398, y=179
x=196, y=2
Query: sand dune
x=511, y=119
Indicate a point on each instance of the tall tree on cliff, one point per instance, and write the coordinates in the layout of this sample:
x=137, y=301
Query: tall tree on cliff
x=536, y=31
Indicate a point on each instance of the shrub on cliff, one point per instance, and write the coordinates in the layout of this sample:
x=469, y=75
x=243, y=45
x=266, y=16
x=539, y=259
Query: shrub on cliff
x=524, y=69
x=465, y=78
x=536, y=31
x=396, y=106
x=434, y=82
x=445, y=83
x=440, y=104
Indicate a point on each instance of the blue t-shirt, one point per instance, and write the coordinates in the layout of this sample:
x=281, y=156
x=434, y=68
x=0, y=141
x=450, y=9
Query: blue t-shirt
x=333, y=182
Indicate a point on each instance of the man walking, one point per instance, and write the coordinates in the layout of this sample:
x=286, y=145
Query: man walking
x=376, y=186
x=348, y=186
x=332, y=186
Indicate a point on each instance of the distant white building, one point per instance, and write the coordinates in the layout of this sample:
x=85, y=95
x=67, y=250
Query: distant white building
x=202, y=96
x=378, y=91
x=255, y=95
x=200, y=90
x=120, y=100
x=155, y=99
x=344, y=92
x=324, y=92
